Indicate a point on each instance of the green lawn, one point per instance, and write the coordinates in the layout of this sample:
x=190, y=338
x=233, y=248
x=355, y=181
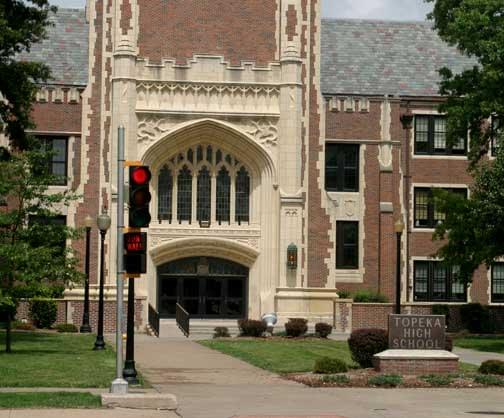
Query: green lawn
x=282, y=356
x=55, y=360
x=489, y=344
x=290, y=356
x=57, y=400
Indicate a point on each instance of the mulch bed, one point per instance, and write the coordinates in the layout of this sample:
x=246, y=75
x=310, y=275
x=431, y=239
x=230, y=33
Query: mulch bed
x=359, y=379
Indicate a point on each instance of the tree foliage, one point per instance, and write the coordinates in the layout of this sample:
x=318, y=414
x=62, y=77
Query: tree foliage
x=33, y=250
x=474, y=227
x=22, y=23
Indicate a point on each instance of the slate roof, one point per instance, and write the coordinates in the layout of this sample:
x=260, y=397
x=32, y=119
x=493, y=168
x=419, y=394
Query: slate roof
x=65, y=50
x=364, y=57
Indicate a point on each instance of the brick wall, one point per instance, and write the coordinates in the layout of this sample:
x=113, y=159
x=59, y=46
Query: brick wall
x=57, y=117
x=238, y=30
x=71, y=311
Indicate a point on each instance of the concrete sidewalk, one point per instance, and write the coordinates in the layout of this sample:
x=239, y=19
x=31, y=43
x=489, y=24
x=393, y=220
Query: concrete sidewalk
x=476, y=357
x=209, y=384
x=85, y=413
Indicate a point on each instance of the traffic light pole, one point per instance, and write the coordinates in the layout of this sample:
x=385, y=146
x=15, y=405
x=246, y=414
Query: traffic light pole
x=129, y=372
x=119, y=385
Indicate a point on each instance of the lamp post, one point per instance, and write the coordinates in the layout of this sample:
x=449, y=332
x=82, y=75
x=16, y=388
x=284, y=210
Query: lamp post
x=399, y=228
x=85, y=327
x=103, y=222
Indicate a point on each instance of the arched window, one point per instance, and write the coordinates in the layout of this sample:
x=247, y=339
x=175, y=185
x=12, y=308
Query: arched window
x=223, y=196
x=204, y=195
x=165, y=194
x=184, y=194
x=242, y=212
x=186, y=187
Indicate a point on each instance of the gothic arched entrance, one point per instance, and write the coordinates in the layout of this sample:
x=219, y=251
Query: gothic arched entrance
x=206, y=287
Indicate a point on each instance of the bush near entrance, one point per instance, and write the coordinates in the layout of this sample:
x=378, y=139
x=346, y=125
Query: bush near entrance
x=327, y=365
x=296, y=327
x=323, y=330
x=476, y=318
x=365, y=343
x=252, y=328
x=43, y=312
x=492, y=367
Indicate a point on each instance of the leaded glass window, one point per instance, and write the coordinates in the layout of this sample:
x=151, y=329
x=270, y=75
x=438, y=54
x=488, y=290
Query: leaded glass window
x=184, y=194
x=342, y=168
x=204, y=195
x=57, y=160
x=435, y=281
x=242, y=196
x=347, y=245
x=165, y=194
x=427, y=215
x=498, y=282
x=223, y=196
x=430, y=137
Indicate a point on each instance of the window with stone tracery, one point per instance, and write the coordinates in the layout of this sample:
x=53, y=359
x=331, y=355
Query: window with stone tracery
x=204, y=184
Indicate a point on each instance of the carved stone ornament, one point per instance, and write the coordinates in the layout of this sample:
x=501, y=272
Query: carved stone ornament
x=152, y=128
x=350, y=207
x=264, y=132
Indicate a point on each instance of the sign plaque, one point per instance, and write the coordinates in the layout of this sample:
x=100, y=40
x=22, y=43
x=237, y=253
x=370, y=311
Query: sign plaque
x=417, y=332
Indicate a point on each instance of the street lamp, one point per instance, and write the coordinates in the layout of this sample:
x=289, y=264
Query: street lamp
x=399, y=228
x=85, y=327
x=103, y=222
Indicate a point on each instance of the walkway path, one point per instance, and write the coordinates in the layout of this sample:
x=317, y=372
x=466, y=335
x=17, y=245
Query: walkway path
x=209, y=384
x=476, y=357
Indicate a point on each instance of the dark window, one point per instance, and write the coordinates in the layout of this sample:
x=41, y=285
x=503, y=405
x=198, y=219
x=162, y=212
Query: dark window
x=342, y=168
x=223, y=196
x=242, y=196
x=426, y=214
x=430, y=137
x=165, y=194
x=204, y=195
x=498, y=282
x=497, y=133
x=57, y=163
x=347, y=245
x=184, y=195
x=41, y=233
x=435, y=281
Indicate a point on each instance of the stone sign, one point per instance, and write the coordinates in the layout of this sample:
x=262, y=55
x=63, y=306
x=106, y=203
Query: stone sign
x=417, y=332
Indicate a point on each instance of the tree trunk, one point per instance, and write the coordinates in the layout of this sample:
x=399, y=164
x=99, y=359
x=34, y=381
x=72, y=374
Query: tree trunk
x=8, y=348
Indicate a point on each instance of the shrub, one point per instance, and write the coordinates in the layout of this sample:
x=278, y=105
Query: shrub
x=476, y=318
x=488, y=380
x=43, y=312
x=365, y=343
x=296, y=327
x=339, y=379
x=68, y=328
x=385, y=380
x=449, y=343
x=442, y=310
x=492, y=367
x=344, y=294
x=327, y=365
x=368, y=296
x=221, y=332
x=437, y=379
x=251, y=327
x=323, y=330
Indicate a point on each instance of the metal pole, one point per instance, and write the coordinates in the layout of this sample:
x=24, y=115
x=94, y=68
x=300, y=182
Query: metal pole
x=85, y=327
x=129, y=372
x=398, y=275
x=119, y=385
x=100, y=343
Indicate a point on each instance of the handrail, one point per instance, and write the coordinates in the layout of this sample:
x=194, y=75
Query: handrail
x=154, y=320
x=183, y=318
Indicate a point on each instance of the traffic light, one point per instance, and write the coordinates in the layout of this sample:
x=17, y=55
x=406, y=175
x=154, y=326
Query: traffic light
x=139, y=196
x=135, y=258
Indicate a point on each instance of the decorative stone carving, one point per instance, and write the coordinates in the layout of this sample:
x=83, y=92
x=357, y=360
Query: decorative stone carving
x=291, y=212
x=264, y=132
x=208, y=98
x=350, y=207
x=151, y=128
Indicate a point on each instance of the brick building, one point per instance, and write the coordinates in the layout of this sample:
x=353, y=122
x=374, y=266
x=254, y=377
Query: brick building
x=265, y=127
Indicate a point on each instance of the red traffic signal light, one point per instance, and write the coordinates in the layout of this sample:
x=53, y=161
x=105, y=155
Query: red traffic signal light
x=139, y=197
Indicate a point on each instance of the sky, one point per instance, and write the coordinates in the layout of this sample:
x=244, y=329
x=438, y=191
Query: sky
x=358, y=9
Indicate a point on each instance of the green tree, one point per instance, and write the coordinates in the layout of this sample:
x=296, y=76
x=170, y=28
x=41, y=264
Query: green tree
x=22, y=23
x=474, y=228
x=33, y=252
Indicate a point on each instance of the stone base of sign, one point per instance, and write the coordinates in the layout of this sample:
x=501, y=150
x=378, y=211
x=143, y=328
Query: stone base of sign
x=416, y=362
x=159, y=401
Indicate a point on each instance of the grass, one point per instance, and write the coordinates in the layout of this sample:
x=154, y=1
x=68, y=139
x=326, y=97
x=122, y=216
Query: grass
x=58, y=400
x=467, y=368
x=55, y=360
x=487, y=344
x=283, y=356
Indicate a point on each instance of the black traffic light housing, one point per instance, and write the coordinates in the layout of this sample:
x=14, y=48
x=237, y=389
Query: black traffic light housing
x=139, y=196
x=135, y=259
